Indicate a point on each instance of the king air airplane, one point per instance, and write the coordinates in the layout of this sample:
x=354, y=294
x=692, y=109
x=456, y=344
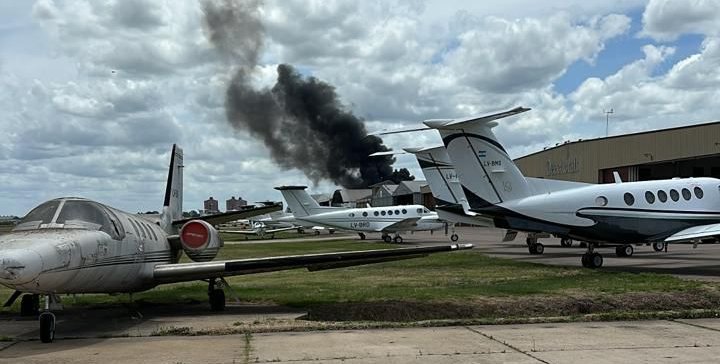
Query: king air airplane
x=385, y=220
x=74, y=245
x=619, y=214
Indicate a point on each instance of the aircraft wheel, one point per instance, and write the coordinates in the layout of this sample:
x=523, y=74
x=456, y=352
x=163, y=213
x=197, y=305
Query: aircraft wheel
x=217, y=300
x=317, y=232
x=624, y=251
x=584, y=260
x=595, y=260
x=530, y=241
x=47, y=327
x=454, y=237
x=566, y=242
x=30, y=305
x=658, y=246
x=536, y=248
x=387, y=238
x=362, y=236
x=398, y=239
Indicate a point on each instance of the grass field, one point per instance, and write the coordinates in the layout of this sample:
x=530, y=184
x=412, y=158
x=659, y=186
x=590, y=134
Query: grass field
x=447, y=285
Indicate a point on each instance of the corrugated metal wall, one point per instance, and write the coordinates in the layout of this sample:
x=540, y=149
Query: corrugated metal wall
x=582, y=161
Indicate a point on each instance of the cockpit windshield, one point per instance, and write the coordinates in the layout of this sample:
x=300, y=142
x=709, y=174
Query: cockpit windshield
x=72, y=214
x=42, y=214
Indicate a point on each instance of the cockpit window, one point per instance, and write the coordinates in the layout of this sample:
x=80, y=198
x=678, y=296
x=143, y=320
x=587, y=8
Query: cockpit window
x=42, y=214
x=86, y=215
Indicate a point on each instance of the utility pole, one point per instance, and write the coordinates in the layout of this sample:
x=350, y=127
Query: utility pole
x=607, y=120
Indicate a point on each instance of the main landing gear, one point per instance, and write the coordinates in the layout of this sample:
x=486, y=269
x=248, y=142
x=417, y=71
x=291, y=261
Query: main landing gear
x=397, y=239
x=591, y=258
x=658, y=246
x=454, y=237
x=626, y=250
x=566, y=242
x=216, y=296
x=533, y=246
x=362, y=236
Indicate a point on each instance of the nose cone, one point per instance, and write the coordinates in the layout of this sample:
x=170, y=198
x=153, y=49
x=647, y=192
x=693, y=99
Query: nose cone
x=19, y=266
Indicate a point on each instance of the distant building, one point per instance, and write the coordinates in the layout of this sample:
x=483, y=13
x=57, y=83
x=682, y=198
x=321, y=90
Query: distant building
x=382, y=194
x=409, y=193
x=210, y=206
x=351, y=197
x=235, y=204
x=323, y=199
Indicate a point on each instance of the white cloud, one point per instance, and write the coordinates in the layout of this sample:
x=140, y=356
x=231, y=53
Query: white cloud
x=666, y=20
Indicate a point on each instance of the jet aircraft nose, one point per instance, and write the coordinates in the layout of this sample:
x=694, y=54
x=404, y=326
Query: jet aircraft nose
x=19, y=266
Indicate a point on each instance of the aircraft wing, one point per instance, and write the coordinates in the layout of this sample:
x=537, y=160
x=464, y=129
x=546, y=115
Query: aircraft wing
x=181, y=272
x=694, y=233
x=232, y=215
x=256, y=232
x=402, y=224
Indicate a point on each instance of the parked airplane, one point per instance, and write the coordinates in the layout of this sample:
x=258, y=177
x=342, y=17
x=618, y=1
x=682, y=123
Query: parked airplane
x=618, y=214
x=451, y=204
x=73, y=245
x=385, y=220
x=259, y=229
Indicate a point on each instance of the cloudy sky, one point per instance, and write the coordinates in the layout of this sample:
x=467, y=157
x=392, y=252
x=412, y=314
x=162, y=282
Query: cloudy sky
x=94, y=93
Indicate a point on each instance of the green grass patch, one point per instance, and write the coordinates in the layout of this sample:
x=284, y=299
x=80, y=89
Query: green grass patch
x=451, y=281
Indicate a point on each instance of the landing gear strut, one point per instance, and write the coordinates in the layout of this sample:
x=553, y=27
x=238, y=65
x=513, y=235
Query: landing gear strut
x=566, y=242
x=362, y=236
x=216, y=296
x=591, y=258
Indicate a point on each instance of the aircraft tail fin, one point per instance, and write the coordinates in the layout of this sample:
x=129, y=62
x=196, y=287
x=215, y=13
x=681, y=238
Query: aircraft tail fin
x=172, y=205
x=487, y=173
x=300, y=202
x=439, y=173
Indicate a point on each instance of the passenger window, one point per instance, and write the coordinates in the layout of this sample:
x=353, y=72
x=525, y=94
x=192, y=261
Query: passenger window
x=404, y=211
x=390, y=212
x=419, y=211
x=649, y=197
x=629, y=198
x=365, y=214
x=698, y=192
x=686, y=194
x=601, y=201
x=397, y=212
x=662, y=196
x=376, y=213
x=674, y=195
x=382, y=213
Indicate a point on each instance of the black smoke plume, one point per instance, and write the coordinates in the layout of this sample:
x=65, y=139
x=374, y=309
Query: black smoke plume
x=300, y=119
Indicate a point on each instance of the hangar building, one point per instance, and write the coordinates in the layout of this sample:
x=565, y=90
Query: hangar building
x=688, y=151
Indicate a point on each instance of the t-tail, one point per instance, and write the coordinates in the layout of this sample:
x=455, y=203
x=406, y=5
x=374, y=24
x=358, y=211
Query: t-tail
x=487, y=173
x=172, y=205
x=300, y=202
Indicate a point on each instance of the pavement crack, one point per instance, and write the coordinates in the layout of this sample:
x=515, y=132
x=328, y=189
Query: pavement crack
x=506, y=344
x=695, y=325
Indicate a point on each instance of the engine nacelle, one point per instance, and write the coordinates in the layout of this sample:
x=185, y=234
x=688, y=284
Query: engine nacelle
x=200, y=240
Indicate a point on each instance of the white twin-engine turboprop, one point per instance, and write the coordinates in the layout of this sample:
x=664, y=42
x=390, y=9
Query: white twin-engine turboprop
x=385, y=220
x=73, y=245
x=619, y=214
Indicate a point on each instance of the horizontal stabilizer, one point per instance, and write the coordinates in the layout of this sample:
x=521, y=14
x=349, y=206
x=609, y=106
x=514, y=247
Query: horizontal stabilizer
x=458, y=123
x=389, y=152
x=695, y=233
x=404, y=130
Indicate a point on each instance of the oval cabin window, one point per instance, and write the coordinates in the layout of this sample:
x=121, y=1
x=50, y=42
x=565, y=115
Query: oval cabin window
x=629, y=199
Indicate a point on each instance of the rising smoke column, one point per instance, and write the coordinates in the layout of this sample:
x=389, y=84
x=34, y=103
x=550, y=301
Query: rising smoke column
x=300, y=119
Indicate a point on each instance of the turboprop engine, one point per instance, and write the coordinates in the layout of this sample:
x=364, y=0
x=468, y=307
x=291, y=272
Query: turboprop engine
x=200, y=240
